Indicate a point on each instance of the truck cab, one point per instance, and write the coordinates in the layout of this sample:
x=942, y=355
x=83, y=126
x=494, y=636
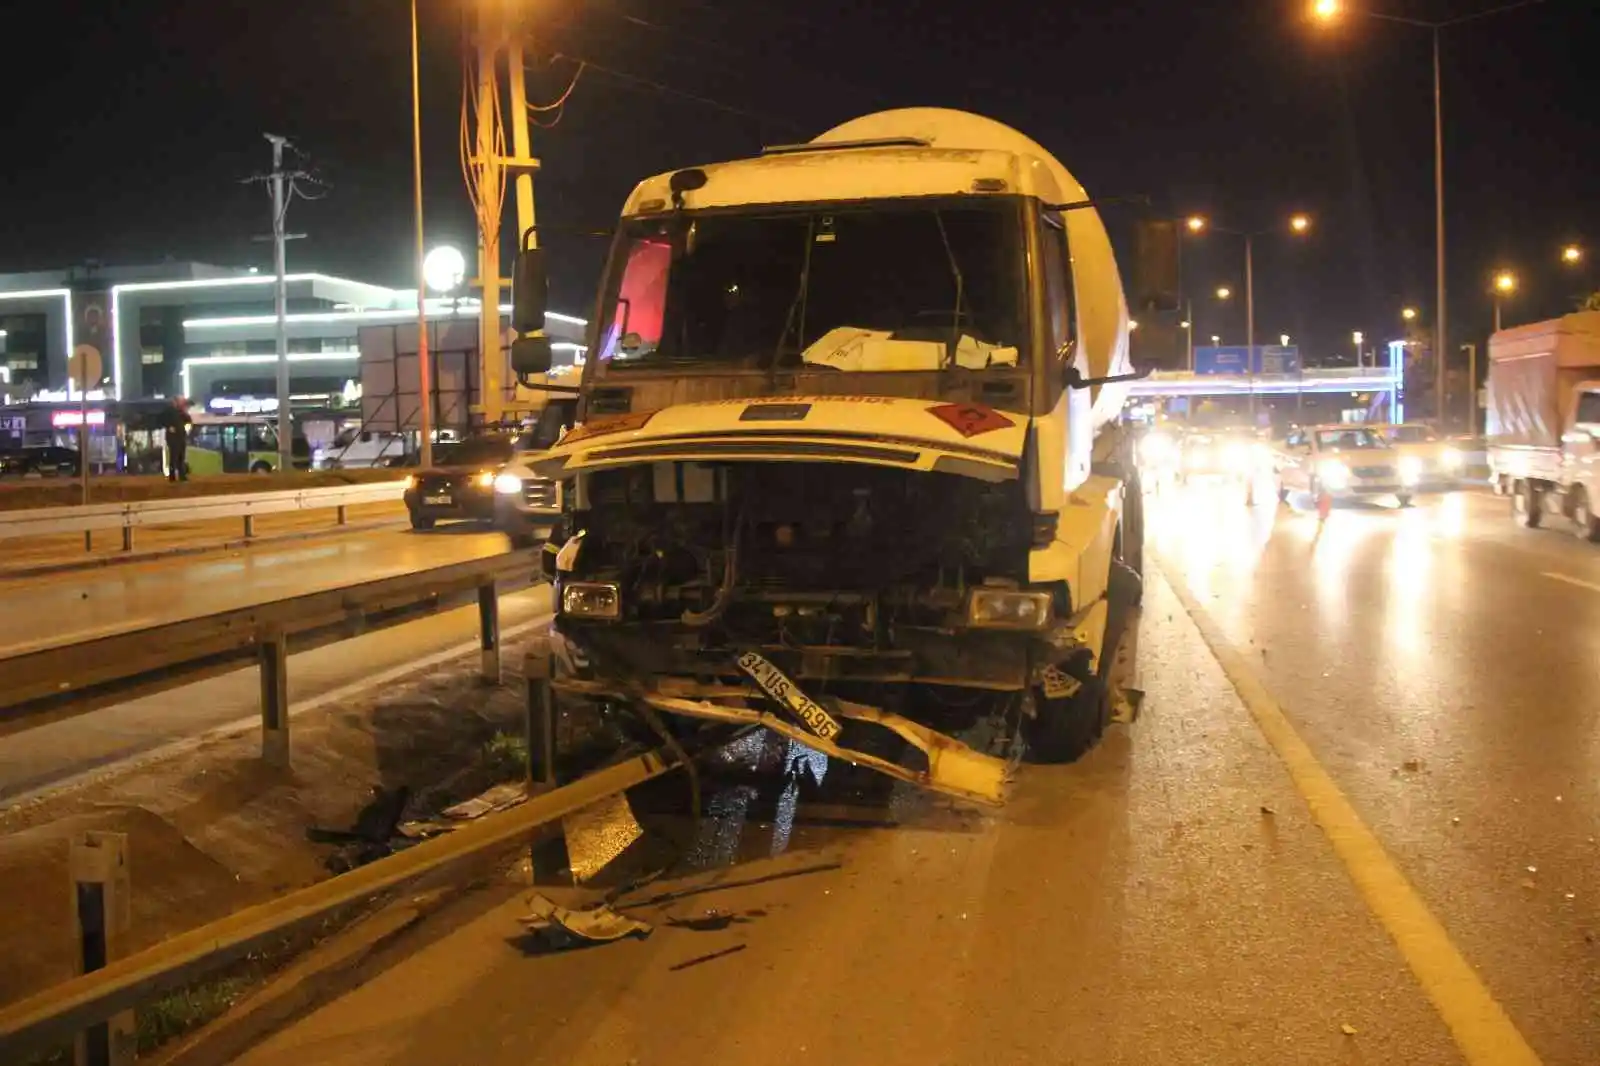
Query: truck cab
x=1544, y=421
x=850, y=426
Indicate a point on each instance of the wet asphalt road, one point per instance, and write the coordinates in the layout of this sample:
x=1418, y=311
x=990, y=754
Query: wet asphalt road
x=1167, y=899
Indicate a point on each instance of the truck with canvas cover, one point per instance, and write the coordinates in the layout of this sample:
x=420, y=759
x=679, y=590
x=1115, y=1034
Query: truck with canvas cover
x=1544, y=420
x=849, y=455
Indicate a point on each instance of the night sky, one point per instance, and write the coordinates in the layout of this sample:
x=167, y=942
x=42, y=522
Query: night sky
x=129, y=132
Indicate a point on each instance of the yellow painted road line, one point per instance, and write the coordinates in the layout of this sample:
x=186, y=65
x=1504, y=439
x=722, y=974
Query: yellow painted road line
x=1578, y=581
x=1481, y=1028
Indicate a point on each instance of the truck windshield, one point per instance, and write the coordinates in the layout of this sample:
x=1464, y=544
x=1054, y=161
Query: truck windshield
x=901, y=285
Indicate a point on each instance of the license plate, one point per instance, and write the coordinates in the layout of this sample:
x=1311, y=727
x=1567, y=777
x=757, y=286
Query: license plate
x=788, y=695
x=440, y=500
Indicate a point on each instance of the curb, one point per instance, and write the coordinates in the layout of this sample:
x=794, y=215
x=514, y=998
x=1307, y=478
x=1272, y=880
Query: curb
x=178, y=551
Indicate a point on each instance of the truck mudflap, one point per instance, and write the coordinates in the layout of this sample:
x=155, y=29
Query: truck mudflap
x=953, y=768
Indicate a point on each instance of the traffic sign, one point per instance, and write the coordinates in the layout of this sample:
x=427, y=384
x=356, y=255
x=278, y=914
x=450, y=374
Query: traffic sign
x=83, y=366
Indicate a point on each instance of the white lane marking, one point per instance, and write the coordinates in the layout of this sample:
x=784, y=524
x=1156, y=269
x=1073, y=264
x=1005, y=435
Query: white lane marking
x=1578, y=581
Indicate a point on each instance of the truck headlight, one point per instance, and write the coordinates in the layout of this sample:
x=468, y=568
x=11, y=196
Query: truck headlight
x=591, y=599
x=508, y=484
x=1410, y=469
x=1007, y=609
x=1334, y=473
x=1450, y=459
x=1197, y=457
x=1236, y=457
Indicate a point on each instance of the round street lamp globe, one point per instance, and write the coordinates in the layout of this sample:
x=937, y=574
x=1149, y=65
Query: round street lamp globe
x=444, y=268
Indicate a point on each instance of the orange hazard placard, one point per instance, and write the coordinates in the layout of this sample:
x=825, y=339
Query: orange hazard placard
x=970, y=419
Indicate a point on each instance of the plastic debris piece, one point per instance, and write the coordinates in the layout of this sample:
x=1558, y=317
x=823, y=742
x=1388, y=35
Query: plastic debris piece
x=497, y=798
x=1533, y=869
x=1348, y=1030
x=1411, y=765
x=1571, y=895
x=1527, y=883
x=1456, y=820
x=1267, y=810
x=598, y=923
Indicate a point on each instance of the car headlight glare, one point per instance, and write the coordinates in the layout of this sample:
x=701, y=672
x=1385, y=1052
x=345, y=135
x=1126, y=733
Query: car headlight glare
x=1450, y=459
x=508, y=484
x=1410, y=469
x=1007, y=609
x=1236, y=457
x=1197, y=457
x=483, y=479
x=1334, y=473
x=591, y=599
x=411, y=482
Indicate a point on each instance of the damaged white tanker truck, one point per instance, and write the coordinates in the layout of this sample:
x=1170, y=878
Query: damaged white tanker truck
x=848, y=452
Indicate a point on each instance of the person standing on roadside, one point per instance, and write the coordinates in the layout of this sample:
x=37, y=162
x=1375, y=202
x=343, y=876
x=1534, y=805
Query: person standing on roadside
x=177, y=431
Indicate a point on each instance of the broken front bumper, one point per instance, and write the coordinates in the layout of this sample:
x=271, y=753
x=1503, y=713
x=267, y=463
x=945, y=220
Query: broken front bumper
x=952, y=767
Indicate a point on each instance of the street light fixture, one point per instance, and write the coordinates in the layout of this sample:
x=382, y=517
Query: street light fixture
x=1505, y=283
x=1408, y=313
x=1358, y=337
x=1215, y=340
x=1328, y=12
x=1132, y=325
x=1299, y=225
x=1283, y=339
x=444, y=268
x=1572, y=255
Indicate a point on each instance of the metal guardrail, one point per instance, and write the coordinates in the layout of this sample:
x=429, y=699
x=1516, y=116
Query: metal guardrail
x=56, y=1014
x=128, y=516
x=75, y=678
x=68, y=679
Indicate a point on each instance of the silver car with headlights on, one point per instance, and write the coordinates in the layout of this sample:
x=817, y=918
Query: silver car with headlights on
x=1345, y=462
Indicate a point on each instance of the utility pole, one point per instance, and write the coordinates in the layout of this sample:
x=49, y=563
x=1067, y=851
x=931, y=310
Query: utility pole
x=281, y=186
x=499, y=31
x=523, y=162
x=424, y=364
x=280, y=300
x=491, y=191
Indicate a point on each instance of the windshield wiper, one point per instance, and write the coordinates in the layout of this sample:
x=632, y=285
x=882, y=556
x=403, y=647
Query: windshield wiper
x=797, y=306
x=961, y=289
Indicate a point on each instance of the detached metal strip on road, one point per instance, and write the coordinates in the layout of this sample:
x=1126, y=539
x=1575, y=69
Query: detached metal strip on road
x=1481, y=1028
x=56, y=1014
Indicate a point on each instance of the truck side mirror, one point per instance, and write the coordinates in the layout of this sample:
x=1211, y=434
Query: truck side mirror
x=531, y=355
x=529, y=290
x=1157, y=286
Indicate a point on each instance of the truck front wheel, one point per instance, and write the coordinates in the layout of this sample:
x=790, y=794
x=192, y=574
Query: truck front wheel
x=1584, y=522
x=1526, y=505
x=1064, y=727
